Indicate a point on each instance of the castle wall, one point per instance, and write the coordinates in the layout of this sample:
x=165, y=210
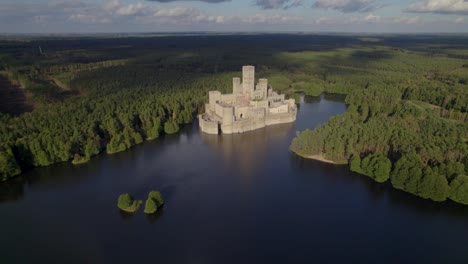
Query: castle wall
x=219, y=110
x=259, y=104
x=210, y=127
x=208, y=109
x=278, y=110
x=227, y=98
x=214, y=98
x=228, y=115
x=276, y=100
x=276, y=97
x=291, y=102
x=247, y=125
x=263, y=104
x=242, y=100
x=282, y=118
x=250, y=124
x=241, y=112
x=257, y=113
x=258, y=95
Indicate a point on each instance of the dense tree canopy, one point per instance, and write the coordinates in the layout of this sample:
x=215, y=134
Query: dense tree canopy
x=407, y=124
x=407, y=99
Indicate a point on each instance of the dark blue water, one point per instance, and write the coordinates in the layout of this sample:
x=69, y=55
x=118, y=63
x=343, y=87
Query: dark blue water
x=229, y=199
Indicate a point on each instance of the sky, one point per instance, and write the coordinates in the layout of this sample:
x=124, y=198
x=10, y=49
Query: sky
x=112, y=16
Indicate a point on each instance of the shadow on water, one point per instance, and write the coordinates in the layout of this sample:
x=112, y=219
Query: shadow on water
x=381, y=193
x=312, y=99
x=12, y=190
x=48, y=178
x=337, y=98
x=249, y=150
x=406, y=200
x=51, y=177
x=125, y=215
x=65, y=174
x=247, y=143
x=153, y=218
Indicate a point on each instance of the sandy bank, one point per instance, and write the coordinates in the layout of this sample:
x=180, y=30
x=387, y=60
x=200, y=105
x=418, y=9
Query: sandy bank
x=319, y=158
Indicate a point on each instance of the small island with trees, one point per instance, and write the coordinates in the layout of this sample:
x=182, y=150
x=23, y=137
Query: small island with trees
x=128, y=204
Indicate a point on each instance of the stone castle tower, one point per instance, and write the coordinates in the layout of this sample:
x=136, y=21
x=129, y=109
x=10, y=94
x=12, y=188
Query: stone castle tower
x=249, y=106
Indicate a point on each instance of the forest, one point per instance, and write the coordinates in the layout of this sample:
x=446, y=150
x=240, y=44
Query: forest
x=84, y=95
x=406, y=121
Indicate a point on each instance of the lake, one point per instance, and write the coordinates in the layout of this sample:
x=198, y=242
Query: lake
x=229, y=199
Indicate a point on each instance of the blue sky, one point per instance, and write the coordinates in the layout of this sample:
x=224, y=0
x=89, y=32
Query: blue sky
x=373, y=16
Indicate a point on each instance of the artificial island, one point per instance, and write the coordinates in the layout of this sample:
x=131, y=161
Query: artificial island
x=249, y=107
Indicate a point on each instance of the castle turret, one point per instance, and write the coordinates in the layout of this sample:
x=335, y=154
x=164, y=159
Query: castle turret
x=263, y=86
x=248, y=79
x=214, y=98
x=236, y=85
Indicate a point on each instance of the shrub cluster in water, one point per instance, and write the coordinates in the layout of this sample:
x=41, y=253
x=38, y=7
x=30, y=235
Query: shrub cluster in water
x=154, y=201
x=128, y=204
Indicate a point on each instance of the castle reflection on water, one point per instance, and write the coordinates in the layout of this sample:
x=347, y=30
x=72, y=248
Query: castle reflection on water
x=248, y=151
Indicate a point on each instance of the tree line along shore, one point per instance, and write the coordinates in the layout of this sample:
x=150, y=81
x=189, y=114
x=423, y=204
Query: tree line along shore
x=407, y=98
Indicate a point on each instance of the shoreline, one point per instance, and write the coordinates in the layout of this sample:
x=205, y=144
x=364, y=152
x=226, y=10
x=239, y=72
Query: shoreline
x=320, y=158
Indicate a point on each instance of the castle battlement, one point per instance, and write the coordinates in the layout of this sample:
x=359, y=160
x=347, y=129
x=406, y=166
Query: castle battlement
x=249, y=107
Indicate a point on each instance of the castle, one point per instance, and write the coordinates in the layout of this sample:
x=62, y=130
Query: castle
x=249, y=107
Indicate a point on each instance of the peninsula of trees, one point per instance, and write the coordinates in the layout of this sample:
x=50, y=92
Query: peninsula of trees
x=406, y=121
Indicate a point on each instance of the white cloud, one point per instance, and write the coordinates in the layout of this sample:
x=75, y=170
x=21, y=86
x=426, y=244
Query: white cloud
x=265, y=4
x=278, y=4
x=207, y=1
x=326, y=20
x=349, y=6
x=458, y=7
x=405, y=20
x=88, y=19
x=112, y=5
x=372, y=18
x=130, y=10
x=120, y=15
x=264, y=18
x=176, y=12
x=68, y=4
x=185, y=15
x=369, y=19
